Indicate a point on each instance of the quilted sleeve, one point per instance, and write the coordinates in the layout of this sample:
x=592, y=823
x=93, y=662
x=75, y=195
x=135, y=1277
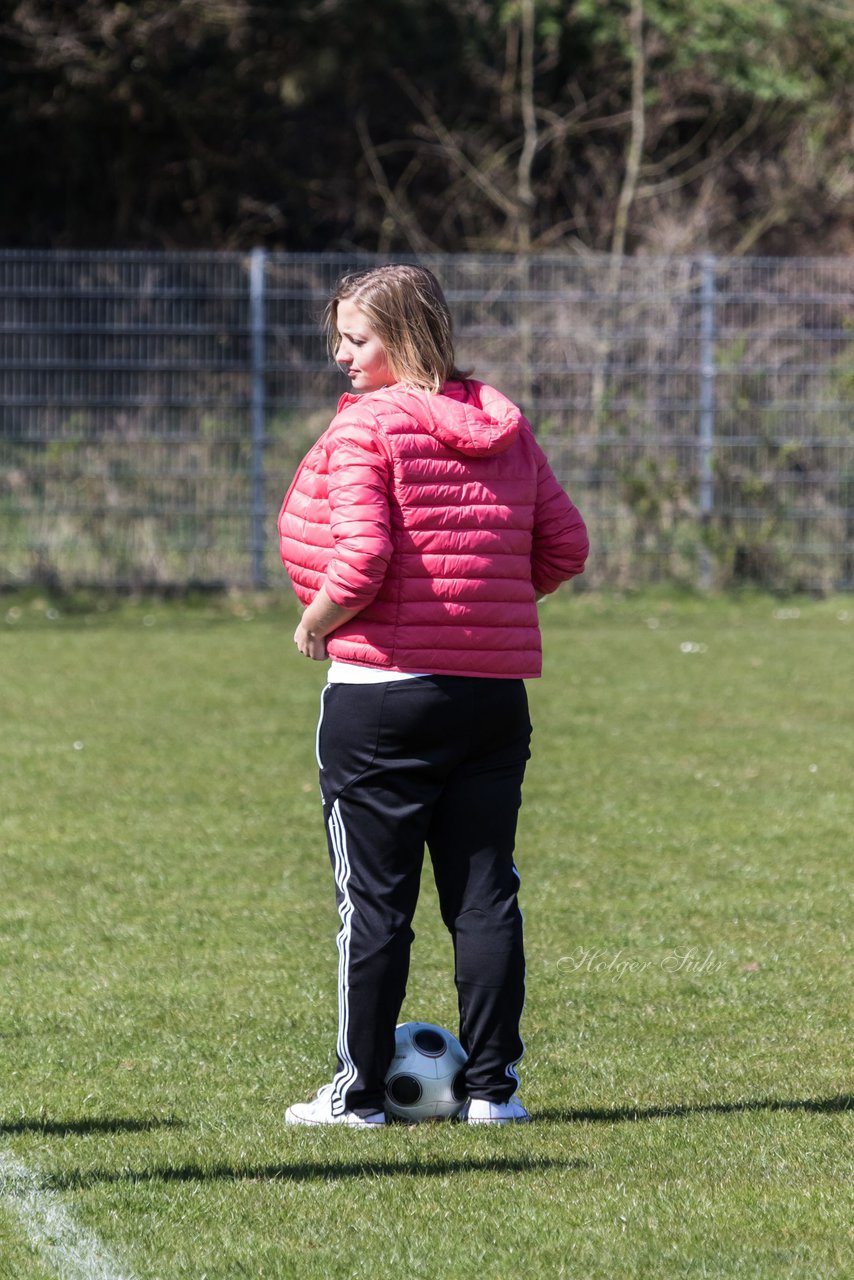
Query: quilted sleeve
x=359, y=484
x=560, y=543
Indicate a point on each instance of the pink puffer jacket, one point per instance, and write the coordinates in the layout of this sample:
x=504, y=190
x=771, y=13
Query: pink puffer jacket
x=440, y=517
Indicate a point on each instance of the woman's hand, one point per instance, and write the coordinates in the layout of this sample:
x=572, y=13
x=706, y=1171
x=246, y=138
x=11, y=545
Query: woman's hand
x=309, y=643
x=320, y=618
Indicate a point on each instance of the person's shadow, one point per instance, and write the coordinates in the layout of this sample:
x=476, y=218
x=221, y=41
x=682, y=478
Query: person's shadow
x=70, y=1128
x=372, y=1165
x=619, y=1115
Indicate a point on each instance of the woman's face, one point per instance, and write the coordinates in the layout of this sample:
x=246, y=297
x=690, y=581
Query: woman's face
x=360, y=352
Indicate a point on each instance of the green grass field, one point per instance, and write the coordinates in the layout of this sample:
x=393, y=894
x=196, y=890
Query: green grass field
x=168, y=965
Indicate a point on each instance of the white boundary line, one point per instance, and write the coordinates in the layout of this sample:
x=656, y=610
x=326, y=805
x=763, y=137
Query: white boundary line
x=72, y=1251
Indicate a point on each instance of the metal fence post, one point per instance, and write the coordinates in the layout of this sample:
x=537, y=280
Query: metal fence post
x=257, y=277
x=708, y=265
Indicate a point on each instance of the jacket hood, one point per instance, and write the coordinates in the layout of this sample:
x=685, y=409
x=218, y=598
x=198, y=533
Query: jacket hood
x=470, y=417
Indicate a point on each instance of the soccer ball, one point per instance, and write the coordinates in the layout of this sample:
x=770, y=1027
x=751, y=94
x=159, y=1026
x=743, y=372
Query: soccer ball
x=425, y=1079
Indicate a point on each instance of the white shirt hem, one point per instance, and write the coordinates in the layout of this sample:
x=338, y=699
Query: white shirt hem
x=349, y=673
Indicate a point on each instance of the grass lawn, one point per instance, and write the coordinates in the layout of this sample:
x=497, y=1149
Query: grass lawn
x=167, y=957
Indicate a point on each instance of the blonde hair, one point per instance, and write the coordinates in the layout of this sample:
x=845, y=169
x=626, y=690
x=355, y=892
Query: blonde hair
x=406, y=309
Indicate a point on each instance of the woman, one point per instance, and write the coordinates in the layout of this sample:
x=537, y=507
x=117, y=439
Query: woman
x=418, y=533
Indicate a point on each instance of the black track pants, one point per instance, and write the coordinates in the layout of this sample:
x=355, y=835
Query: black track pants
x=437, y=760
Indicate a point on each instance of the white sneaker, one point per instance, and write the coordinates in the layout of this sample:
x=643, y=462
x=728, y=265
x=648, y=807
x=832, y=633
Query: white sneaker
x=479, y=1111
x=319, y=1111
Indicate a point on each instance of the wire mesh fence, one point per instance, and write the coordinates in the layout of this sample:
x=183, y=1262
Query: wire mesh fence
x=153, y=407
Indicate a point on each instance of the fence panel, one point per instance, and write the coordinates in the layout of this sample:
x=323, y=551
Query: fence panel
x=154, y=405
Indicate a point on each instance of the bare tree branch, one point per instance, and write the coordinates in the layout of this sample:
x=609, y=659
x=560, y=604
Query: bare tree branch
x=529, y=127
x=455, y=153
x=395, y=206
x=638, y=129
x=725, y=149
